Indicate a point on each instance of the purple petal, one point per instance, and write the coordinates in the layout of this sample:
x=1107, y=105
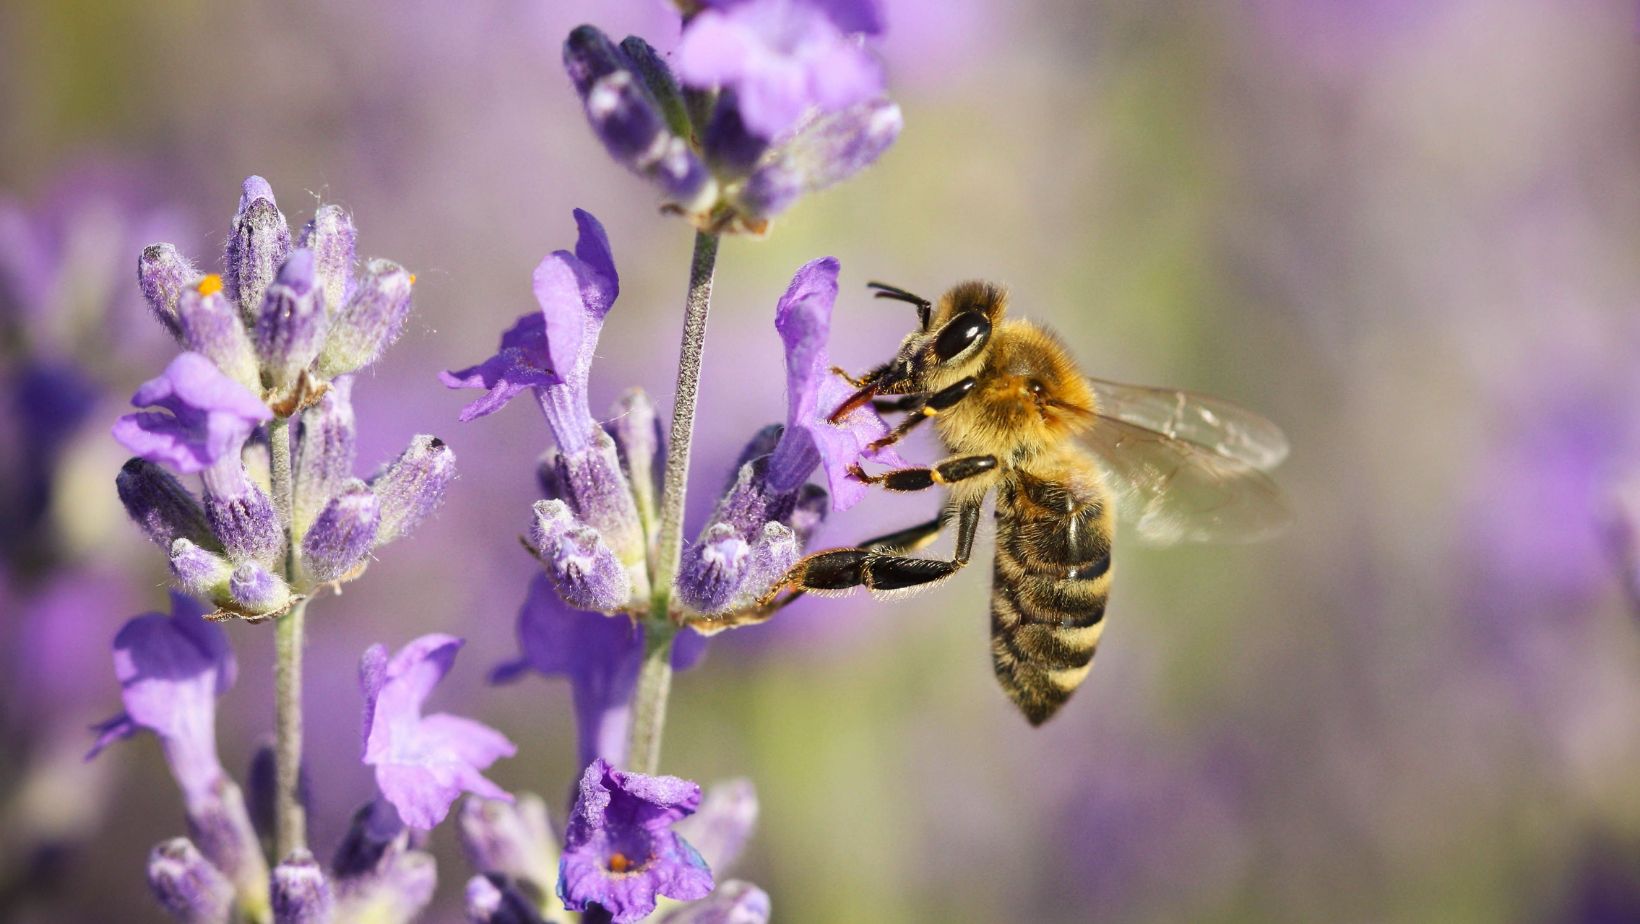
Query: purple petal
x=211, y=416
x=423, y=763
x=521, y=362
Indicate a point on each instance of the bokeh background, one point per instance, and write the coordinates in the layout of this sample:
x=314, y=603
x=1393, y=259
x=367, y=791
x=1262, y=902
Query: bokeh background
x=1404, y=229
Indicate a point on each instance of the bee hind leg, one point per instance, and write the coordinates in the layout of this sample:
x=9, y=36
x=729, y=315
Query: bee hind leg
x=877, y=567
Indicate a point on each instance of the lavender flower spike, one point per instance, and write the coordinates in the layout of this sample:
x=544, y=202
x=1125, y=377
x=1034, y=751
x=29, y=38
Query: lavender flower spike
x=423, y=762
x=210, y=416
x=620, y=852
x=782, y=58
x=162, y=273
x=257, y=247
x=187, y=886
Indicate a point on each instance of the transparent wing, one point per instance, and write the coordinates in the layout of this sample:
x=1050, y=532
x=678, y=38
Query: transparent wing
x=1219, y=426
x=1171, y=490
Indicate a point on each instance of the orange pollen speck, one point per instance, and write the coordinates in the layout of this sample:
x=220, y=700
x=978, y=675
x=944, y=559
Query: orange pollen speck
x=618, y=863
x=210, y=285
x=412, y=278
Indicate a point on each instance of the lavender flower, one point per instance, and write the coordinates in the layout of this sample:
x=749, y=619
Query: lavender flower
x=620, y=852
x=291, y=325
x=551, y=354
x=376, y=875
x=162, y=274
x=422, y=762
x=751, y=538
x=514, y=839
x=258, y=244
x=343, y=533
x=171, y=670
x=300, y=893
x=412, y=486
x=159, y=504
x=782, y=58
x=210, y=416
x=784, y=100
x=210, y=326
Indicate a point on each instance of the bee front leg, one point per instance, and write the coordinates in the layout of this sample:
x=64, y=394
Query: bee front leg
x=922, y=408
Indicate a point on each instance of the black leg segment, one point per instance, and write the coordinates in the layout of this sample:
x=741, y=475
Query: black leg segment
x=878, y=568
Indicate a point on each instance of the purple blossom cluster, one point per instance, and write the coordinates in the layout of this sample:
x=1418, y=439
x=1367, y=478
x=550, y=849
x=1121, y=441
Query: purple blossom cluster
x=278, y=335
x=763, y=102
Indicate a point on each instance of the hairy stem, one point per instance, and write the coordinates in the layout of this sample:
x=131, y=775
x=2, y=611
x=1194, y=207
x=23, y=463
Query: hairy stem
x=675, y=482
x=649, y=702
x=655, y=677
x=290, y=821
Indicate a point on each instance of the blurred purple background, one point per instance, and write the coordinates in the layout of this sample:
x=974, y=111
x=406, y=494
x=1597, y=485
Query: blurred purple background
x=1406, y=231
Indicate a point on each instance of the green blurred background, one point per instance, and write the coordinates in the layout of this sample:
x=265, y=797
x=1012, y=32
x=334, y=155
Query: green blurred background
x=1404, y=230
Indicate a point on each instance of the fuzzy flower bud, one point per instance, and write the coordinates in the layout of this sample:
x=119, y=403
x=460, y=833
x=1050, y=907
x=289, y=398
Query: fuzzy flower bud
x=657, y=78
x=412, y=486
x=631, y=122
x=162, y=273
x=188, y=887
x=332, y=238
x=300, y=893
x=587, y=574
x=495, y=899
x=200, y=573
x=824, y=151
x=257, y=247
x=343, y=533
x=326, y=438
x=164, y=509
x=244, y=521
x=256, y=591
x=211, y=327
x=290, y=327
x=370, y=320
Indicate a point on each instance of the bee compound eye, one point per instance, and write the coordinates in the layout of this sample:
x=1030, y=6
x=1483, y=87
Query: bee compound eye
x=961, y=333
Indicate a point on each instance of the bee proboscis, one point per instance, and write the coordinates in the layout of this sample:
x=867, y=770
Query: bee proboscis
x=1018, y=418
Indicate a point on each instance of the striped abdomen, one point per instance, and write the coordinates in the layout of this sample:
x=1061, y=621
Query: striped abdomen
x=1048, y=590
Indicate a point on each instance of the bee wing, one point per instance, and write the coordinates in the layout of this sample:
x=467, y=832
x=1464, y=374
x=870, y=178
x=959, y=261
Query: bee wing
x=1173, y=490
x=1219, y=426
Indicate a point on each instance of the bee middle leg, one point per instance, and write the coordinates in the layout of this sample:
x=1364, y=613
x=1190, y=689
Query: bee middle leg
x=878, y=568
x=922, y=407
x=920, y=478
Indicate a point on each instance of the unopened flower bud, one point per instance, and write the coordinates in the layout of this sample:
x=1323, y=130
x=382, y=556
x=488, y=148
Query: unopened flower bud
x=589, y=55
x=514, y=839
x=343, y=533
x=583, y=568
x=220, y=824
x=245, y=523
x=593, y=484
x=300, y=893
x=494, y=898
x=713, y=568
x=162, y=273
x=325, y=440
x=290, y=328
x=732, y=902
x=375, y=866
x=200, y=573
x=256, y=591
x=370, y=320
x=731, y=148
x=332, y=237
x=257, y=247
x=636, y=430
x=412, y=486
x=211, y=327
x=658, y=79
x=187, y=886
x=164, y=509
x=824, y=151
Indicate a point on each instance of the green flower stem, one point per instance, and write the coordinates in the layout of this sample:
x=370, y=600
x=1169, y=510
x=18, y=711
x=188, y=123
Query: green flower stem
x=290, y=821
x=655, y=678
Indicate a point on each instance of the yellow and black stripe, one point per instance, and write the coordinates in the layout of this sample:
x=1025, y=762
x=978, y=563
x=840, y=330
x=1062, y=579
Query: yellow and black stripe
x=1050, y=582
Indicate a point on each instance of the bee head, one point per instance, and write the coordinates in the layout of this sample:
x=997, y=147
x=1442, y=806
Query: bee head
x=949, y=341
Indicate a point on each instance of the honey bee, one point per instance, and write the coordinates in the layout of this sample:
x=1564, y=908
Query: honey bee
x=1061, y=451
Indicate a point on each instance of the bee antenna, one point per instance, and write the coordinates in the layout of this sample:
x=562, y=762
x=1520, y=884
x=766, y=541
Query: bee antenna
x=924, y=306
